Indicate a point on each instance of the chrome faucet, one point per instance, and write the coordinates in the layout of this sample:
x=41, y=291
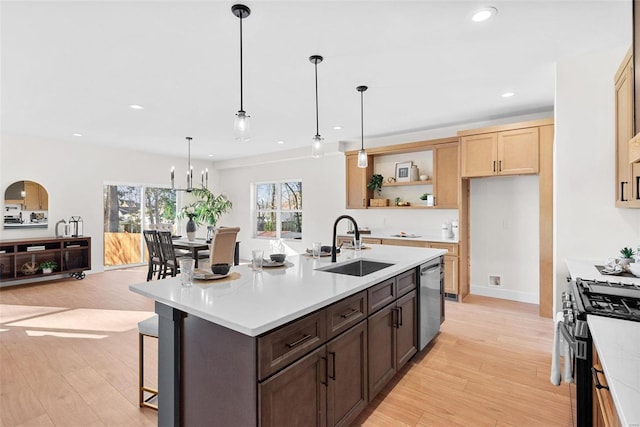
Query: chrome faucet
x=335, y=226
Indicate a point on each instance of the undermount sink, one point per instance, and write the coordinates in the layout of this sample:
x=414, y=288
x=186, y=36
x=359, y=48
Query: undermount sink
x=359, y=268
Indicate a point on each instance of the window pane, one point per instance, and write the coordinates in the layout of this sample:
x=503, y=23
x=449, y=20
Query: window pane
x=160, y=205
x=291, y=225
x=265, y=196
x=122, y=238
x=291, y=195
x=266, y=224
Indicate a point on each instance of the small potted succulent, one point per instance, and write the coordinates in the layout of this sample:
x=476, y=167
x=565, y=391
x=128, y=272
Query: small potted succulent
x=48, y=266
x=427, y=198
x=626, y=256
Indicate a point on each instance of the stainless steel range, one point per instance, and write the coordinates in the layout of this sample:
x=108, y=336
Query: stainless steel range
x=591, y=297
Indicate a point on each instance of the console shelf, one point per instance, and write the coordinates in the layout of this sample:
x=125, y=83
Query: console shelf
x=21, y=259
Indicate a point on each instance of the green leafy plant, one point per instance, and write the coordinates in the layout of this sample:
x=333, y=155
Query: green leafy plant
x=48, y=264
x=425, y=196
x=627, y=252
x=375, y=183
x=208, y=208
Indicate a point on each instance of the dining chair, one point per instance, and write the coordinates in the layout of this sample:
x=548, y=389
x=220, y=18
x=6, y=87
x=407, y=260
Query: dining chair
x=146, y=328
x=155, y=254
x=170, y=260
x=223, y=245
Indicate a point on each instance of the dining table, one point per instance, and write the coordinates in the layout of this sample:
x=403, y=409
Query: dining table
x=197, y=246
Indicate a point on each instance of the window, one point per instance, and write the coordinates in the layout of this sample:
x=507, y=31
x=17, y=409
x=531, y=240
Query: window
x=278, y=210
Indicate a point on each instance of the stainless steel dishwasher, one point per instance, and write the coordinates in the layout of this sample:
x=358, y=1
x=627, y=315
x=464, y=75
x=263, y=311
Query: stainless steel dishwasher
x=431, y=309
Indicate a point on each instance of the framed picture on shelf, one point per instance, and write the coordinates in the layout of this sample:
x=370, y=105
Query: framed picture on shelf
x=402, y=171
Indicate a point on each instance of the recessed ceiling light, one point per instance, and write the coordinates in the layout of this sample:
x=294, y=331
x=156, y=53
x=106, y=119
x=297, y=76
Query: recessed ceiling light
x=280, y=142
x=337, y=127
x=508, y=94
x=483, y=14
x=136, y=107
x=210, y=155
x=77, y=134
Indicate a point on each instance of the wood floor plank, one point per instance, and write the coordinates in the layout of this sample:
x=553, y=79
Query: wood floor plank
x=489, y=366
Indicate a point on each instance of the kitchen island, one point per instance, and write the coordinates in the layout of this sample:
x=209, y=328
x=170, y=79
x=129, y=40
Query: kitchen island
x=232, y=351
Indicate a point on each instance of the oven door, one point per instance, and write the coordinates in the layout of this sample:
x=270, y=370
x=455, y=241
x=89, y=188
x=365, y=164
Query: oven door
x=579, y=340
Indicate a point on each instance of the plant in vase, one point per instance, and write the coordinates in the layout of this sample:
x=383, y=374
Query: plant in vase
x=375, y=184
x=626, y=256
x=209, y=208
x=48, y=266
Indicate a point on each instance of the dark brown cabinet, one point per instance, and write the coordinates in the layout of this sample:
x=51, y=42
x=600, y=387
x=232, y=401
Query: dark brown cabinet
x=326, y=387
x=297, y=395
x=393, y=333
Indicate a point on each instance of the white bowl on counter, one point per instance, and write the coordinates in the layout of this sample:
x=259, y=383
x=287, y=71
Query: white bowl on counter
x=634, y=268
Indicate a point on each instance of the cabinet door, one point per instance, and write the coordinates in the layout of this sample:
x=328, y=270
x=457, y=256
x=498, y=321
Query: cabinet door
x=32, y=196
x=624, y=131
x=445, y=176
x=451, y=274
x=518, y=152
x=382, y=349
x=381, y=294
x=296, y=396
x=479, y=153
x=358, y=194
x=347, y=376
x=635, y=185
x=406, y=328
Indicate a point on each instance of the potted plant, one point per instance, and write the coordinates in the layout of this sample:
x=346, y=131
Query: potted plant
x=209, y=208
x=48, y=266
x=375, y=184
x=626, y=256
x=190, y=211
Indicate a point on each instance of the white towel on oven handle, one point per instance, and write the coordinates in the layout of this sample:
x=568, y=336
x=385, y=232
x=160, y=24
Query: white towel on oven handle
x=560, y=348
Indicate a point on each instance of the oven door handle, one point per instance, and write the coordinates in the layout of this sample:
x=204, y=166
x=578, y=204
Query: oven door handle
x=579, y=347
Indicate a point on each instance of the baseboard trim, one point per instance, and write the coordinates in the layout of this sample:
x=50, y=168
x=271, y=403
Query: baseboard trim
x=508, y=294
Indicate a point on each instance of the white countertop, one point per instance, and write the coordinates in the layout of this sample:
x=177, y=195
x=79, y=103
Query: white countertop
x=585, y=269
x=257, y=302
x=618, y=345
x=429, y=236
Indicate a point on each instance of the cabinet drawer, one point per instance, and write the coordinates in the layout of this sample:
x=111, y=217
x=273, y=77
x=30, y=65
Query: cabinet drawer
x=284, y=345
x=451, y=248
x=406, y=282
x=346, y=313
x=371, y=240
x=381, y=294
x=399, y=242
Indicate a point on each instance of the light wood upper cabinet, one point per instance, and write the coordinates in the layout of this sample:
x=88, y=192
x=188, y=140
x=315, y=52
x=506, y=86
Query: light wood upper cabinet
x=512, y=152
x=627, y=181
x=446, y=179
x=357, y=178
x=36, y=198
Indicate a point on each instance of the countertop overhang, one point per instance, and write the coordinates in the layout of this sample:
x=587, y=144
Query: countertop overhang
x=258, y=302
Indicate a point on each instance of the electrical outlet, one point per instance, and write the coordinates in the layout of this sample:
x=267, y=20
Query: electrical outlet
x=494, y=280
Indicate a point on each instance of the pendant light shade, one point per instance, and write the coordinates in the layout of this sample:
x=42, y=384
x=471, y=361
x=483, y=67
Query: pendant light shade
x=363, y=161
x=241, y=127
x=317, y=147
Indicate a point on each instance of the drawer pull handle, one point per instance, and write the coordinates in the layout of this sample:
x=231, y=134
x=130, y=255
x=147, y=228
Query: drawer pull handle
x=400, y=316
x=326, y=371
x=622, y=183
x=499, y=165
x=596, y=380
x=349, y=314
x=637, y=187
x=300, y=341
x=494, y=165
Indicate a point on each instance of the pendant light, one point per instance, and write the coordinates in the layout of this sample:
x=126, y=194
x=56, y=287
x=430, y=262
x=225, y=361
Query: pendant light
x=317, y=149
x=241, y=127
x=204, y=175
x=362, y=155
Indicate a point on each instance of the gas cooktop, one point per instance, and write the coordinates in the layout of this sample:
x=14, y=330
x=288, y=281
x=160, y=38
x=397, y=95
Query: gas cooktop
x=612, y=299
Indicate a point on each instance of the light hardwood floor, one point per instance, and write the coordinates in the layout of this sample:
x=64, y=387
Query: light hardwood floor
x=69, y=357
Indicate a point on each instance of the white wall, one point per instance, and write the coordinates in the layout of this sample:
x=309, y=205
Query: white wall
x=74, y=175
x=504, y=234
x=587, y=223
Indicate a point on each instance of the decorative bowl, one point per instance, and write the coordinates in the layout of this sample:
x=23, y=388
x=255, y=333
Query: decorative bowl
x=220, y=268
x=634, y=268
x=278, y=257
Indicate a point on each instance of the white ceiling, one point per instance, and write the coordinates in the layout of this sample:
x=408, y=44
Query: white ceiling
x=75, y=66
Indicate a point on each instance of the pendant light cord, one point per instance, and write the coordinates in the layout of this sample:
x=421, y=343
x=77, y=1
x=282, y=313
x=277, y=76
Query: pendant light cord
x=241, y=92
x=189, y=183
x=361, y=120
x=317, y=121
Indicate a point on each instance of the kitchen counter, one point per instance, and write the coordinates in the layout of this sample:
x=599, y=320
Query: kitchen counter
x=585, y=269
x=413, y=235
x=618, y=345
x=257, y=302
